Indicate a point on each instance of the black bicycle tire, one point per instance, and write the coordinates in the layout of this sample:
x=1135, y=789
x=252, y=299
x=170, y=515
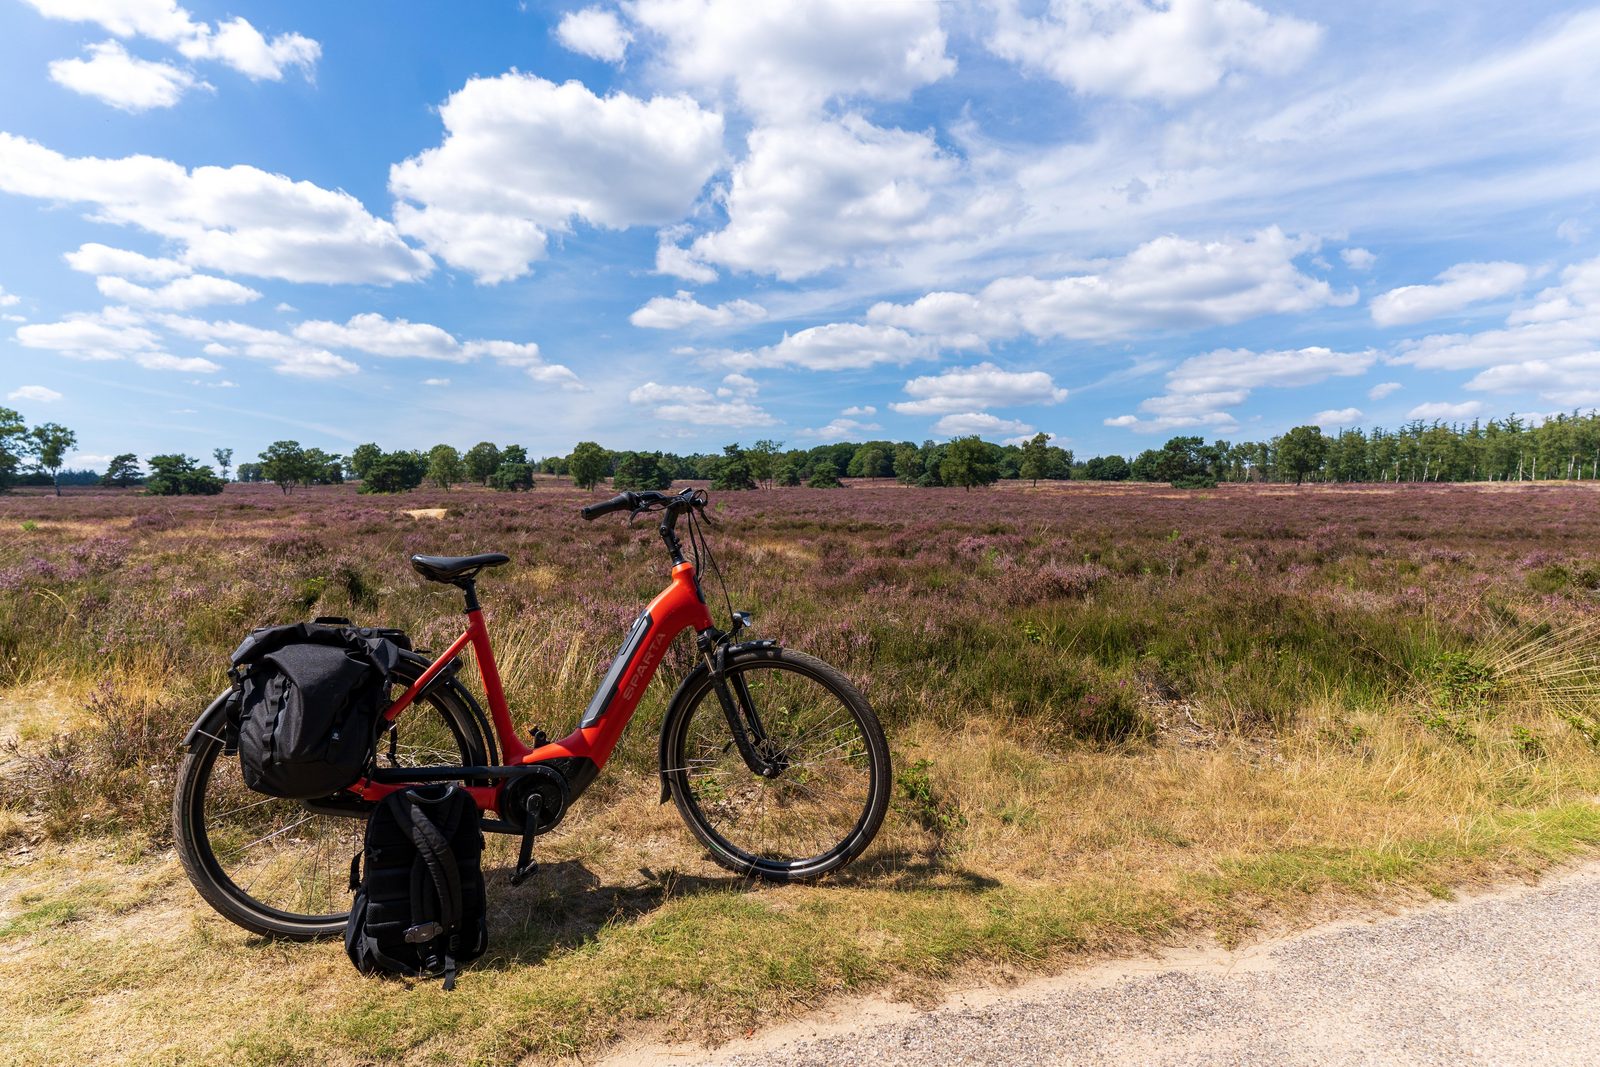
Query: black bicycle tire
x=724, y=852
x=221, y=892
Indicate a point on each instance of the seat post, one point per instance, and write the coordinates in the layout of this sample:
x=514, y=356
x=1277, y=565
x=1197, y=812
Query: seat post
x=469, y=586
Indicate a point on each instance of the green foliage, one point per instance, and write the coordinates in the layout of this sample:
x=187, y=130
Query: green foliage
x=50, y=443
x=969, y=461
x=288, y=465
x=640, y=470
x=920, y=799
x=1107, y=469
x=224, y=458
x=444, y=466
x=13, y=437
x=122, y=471
x=1458, y=680
x=395, y=472
x=1301, y=451
x=178, y=475
x=908, y=463
x=732, y=470
x=824, y=477
x=360, y=462
x=509, y=477
x=482, y=460
x=763, y=459
x=589, y=464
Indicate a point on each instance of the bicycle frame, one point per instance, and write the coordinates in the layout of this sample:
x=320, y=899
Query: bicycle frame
x=679, y=607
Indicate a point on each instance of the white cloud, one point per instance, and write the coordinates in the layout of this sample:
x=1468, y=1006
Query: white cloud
x=812, y=195
x=1240, y=368
x=126, y=82
x=1336, y=417
x=837, y=346
x=523, y=157
x=859, y=409
x=676, y=312
x=976, y=388
x=679, y=262
x=198, y=290
x=8, y=299
x=594, y=32
x=436, y=381
x=1445, y=411
x=689, y=403
x=38, y=393
x=1463, y=284
x=737, y=385
x=1166, y=51
x=187, y=364
x=1382, y=389
x=103, y=336
x=95, y=258
x=234, y=42
x=1166, y=283
x=842, y=429
x=1573, y=231
x=288, y=355
x=395, y=338
x=787, y=60
x=980, y=423
x=239, y=220
x=1357, y=258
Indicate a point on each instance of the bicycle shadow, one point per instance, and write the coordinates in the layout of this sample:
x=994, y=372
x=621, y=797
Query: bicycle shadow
x=564, y=905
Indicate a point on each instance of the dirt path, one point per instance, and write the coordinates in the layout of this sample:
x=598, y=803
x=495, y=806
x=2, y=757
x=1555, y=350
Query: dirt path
x=1511, y=977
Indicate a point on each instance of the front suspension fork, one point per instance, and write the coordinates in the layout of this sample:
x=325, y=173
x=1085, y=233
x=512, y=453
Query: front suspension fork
x=759, y=752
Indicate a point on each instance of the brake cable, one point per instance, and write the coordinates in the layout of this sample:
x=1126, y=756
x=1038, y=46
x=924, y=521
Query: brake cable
x=698, y=544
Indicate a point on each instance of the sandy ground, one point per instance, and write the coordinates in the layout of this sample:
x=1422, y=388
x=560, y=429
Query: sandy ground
x=1511, y=977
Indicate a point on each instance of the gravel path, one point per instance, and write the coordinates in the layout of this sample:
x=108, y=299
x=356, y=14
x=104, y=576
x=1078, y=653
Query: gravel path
x=1511, y=978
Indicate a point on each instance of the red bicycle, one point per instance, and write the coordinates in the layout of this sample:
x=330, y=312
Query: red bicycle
x=774, y=759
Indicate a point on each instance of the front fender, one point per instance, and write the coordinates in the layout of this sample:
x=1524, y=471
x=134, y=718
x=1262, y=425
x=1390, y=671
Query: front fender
x=212, y=722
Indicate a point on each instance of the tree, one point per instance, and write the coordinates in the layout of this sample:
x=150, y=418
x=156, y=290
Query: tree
x=589, y=464
x=968, y=461
x=179, y=475
x=13, y=442
x=285, y=464
x=1301, y=451
x=512, y=476
x=224, y=458
x=907, y=463
x=1035, y=458
x=50, y=443
x=123, y=471
x=444, y=466
x=482, y=460
x=1106, y=469
x=395, y=472
x=513, y=454
x=250, y=472
x=732, y=470
x=763, y=459
x=362, y=459
x=825, y=476
x=321, y=468
x=640, y=470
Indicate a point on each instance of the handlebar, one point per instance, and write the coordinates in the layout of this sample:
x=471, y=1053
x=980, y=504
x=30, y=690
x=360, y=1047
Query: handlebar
x=630, y=501
x=672, y=504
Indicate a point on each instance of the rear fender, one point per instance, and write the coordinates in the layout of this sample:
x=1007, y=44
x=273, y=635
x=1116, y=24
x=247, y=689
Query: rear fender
x=213, y=722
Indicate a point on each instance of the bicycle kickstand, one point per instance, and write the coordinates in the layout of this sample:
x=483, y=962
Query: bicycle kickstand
x=526, y=864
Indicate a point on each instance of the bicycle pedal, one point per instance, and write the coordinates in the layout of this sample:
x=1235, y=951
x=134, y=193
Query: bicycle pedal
x=520, y=875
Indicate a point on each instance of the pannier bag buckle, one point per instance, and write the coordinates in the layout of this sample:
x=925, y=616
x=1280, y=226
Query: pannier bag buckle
x=423, y=933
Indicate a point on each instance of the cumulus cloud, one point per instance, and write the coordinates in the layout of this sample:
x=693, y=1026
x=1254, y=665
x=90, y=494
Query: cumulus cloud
x=1382, y=389
x=1445, y=411
x=842, y=429
x=1336, y=417
x=126, y=82
x=523, y=157
x=288, y=355
x=37, y=393
x=104, y=336
x=8, y=299
x=238, y=220
x=164, y=361
x=95, y=258
x=968, y=389
x=400, y=339
x=1166, y=283
x=692, y=404
x=788, y=60
x=198, y=290
x=679, y=262
x=594, y=32
x=234, y=42
x=676, y=312
x=837, y=346
x=812, y=195
x=1201, y=389
x=1165, y=51
x=1357, y=258
x=1463, y=284
x=981, y=423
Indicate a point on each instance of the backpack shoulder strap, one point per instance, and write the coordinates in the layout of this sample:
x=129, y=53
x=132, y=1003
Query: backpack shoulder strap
x=443, y=876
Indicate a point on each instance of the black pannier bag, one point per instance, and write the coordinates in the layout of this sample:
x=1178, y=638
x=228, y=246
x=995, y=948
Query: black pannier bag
x=310, y=700
x=420, y=905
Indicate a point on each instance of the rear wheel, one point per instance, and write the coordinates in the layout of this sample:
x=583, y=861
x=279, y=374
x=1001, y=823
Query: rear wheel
x=825, y=804
x=279, y=868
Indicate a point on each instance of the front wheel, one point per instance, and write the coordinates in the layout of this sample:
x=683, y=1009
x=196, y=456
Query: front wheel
x=824, y=804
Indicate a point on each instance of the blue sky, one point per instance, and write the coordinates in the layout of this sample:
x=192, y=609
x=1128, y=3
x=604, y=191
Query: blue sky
x=678, y=223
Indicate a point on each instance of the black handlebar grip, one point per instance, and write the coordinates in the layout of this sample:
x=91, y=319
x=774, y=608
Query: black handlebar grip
x=616, y=503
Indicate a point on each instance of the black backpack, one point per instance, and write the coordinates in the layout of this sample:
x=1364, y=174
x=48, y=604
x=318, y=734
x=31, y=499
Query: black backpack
x=420, y=906
x=310, y=697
